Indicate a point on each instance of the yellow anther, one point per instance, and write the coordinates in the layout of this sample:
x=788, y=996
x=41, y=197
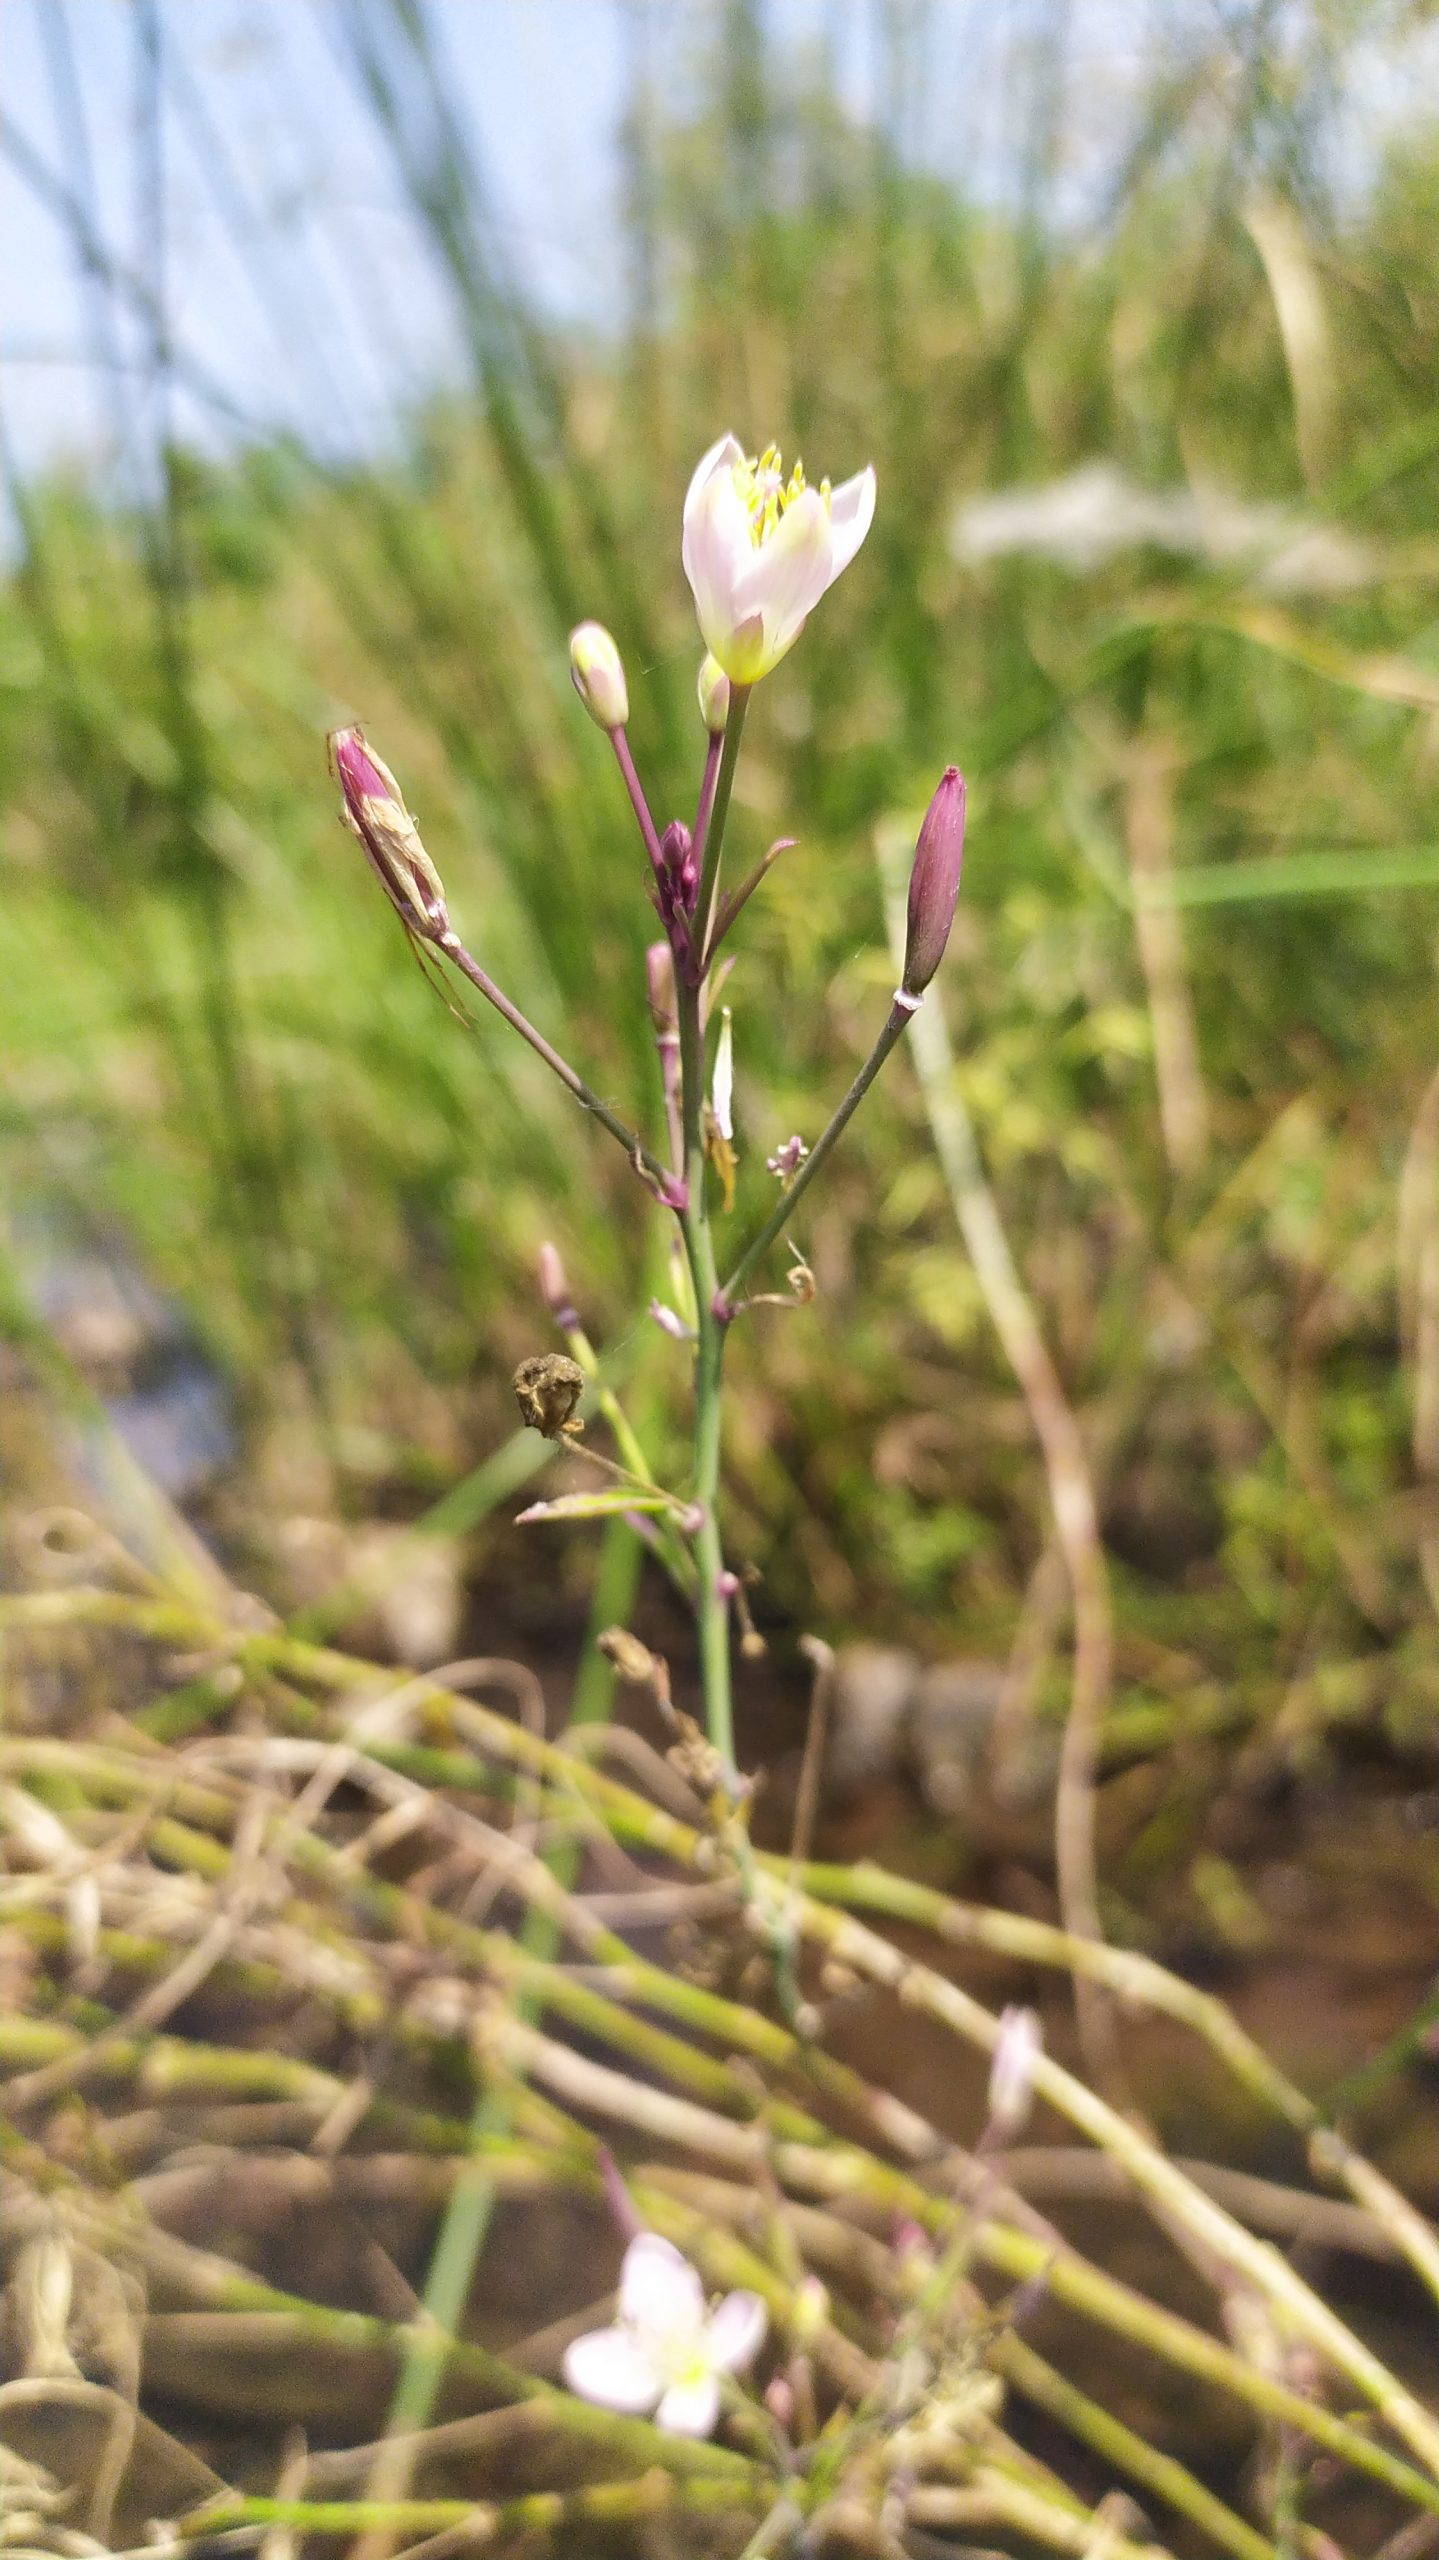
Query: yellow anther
x=765, y=491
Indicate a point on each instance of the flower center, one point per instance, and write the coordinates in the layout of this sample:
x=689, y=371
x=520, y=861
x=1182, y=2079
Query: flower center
x=766, y=492
x=684, y=2360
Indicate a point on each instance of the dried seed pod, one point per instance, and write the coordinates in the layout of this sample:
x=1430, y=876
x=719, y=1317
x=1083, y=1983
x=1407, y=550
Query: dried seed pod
x=547, y=1390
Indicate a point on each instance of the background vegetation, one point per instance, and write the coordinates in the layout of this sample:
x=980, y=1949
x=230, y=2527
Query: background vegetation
x=1192, y=988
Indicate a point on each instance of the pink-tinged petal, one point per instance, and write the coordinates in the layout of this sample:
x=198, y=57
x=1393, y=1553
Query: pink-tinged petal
x=611, y=2368
x=717, y=550
x=690, y=2408
x=362, y=777
x=659, y=2290
x=722, y=455
x=789, y=574
x=736, y=2332
x=851, y=513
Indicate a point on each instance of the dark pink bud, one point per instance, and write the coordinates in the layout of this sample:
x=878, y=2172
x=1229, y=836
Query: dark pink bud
x=677, y=855
x=934, y=882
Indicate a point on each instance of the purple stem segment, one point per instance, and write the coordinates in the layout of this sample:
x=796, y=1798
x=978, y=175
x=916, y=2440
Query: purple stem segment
x=706, y=801
x=638, y=802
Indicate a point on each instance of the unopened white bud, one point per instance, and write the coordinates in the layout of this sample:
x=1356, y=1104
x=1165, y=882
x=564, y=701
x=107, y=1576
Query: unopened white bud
x=713, y=691
x=598, y=675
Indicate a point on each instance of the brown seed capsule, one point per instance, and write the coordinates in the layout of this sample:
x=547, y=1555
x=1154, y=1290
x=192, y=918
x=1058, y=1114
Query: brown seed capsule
x=547, y=1389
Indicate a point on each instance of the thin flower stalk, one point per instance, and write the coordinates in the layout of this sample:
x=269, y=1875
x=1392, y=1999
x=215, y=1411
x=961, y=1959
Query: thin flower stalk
x=896, y=1024
x=639, y=1155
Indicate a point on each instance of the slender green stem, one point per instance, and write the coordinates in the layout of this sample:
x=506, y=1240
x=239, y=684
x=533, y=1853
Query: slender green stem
x=711, y=1602
x=712, y=1613
x=469, y=967
x=899, y=1018
x=713, y=844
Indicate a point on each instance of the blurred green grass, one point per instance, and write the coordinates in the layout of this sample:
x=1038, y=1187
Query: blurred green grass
x=216, y=1045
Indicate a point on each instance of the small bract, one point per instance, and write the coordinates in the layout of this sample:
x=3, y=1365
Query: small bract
x=666, y=2352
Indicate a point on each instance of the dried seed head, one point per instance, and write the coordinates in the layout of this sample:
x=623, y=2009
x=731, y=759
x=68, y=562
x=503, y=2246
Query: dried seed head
x=375, y=813
x=598, y=676
x=547, y=1389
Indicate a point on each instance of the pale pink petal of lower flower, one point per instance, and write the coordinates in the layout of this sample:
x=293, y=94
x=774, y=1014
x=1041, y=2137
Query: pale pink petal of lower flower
x=659, y=2290
x=611, y=2367
x=851, y=513
x=690, y=2408
x=736, y=2332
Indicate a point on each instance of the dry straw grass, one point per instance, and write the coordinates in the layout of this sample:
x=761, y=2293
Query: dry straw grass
x=310, y=1961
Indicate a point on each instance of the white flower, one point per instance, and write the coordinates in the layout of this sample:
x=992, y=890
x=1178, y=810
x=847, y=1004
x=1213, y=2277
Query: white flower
x=666, y=2352
x=759, y=552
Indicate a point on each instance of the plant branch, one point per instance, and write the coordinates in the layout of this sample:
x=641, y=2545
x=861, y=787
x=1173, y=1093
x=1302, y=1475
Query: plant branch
x=900, y=1016
x=663, y=1181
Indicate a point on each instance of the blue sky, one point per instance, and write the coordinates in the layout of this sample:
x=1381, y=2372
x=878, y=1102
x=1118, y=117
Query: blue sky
x=326, y=314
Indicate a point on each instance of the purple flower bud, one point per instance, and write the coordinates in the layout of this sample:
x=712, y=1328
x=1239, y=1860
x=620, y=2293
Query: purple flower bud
x=677, y=852
x=375, y=813
x=598, y=676
x=934, y=883
x=676, y=883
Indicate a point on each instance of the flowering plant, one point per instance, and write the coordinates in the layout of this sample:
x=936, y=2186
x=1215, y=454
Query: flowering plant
x=666, y=2352
x=760, y=550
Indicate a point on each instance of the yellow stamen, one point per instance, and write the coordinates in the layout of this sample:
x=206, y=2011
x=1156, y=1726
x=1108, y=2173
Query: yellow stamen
x=766, y=493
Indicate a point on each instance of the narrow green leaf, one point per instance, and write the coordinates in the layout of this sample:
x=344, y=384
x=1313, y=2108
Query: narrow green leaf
x=594, y=1506
x=1314, y=874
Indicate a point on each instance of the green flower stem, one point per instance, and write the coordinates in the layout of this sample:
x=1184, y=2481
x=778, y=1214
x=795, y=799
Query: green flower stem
x=712, y=1611
x=669, y=1547
x=712, y=1615
x=894, y=1029
x=708, y=852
